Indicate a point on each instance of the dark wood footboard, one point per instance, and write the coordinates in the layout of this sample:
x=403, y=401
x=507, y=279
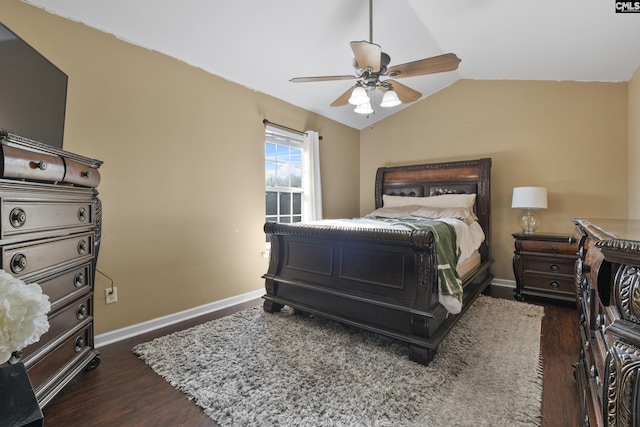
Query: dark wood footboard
x=382, y=280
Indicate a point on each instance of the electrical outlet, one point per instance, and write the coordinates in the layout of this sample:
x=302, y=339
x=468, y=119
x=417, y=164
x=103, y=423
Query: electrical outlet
x=111, y=295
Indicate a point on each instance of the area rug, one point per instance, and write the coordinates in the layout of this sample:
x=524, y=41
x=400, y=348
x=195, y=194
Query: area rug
x=259, y=369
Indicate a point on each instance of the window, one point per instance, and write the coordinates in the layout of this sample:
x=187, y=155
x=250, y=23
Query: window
x=283, y=177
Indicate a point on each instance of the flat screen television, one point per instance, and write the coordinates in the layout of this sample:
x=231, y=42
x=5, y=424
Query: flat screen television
x=33, y=92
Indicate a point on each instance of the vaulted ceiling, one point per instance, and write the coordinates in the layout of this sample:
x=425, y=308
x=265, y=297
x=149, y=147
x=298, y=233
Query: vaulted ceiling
x=263, y=44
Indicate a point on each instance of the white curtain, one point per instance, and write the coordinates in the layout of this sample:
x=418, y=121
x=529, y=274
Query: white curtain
x=312, y=202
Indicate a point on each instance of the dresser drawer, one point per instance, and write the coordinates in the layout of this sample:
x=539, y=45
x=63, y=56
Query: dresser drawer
x=553, y=265
x=23, y=164
x=28, y=259
x=20, y=217
x=80, y=174
x=549, y=283
x=66, y=286
x=60, y=323
x=63, y=358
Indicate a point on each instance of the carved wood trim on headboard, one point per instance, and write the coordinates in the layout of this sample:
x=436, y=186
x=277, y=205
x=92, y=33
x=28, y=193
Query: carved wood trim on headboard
x=469, y=176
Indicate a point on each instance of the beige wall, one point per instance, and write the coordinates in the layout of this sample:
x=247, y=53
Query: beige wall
x=634, y=145
x=183, y=175
x=569, y=137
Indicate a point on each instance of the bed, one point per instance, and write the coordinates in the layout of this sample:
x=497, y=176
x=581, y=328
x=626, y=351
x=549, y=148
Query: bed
x=383, y=278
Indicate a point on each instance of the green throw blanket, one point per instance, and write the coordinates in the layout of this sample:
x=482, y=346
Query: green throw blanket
x=447, y=250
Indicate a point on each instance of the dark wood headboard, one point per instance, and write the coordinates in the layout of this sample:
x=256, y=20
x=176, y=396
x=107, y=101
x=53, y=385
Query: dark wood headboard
x=463, y=177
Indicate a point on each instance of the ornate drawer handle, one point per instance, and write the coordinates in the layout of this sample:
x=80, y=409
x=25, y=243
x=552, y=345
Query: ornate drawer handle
x=554, y=284
x=554, y=267
x=82, y=214
x=86, y=174
x=78, y=280
x=18, y=263
x=42, y=165
x=79, y=344
x=81, y=312
x=82, y=247
x=601, y=321
x=17, y=217
x=594, y=375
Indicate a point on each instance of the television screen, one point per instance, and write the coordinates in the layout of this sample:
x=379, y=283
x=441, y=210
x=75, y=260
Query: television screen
x=33, y=92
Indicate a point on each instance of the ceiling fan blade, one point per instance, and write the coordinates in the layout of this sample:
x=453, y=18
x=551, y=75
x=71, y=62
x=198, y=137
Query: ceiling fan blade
x=321, y=79
x=343, y=99
x=436, y=64
x=405, y=93
x=367, y=55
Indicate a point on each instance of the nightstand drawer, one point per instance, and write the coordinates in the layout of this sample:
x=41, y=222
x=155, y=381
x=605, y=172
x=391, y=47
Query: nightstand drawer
x=553, y=265
x=548, y=283
x=555, y=247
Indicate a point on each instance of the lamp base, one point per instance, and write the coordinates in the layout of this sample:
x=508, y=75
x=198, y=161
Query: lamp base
x=528, y=221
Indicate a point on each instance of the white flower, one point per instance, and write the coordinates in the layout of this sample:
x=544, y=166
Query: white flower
x=23, y=314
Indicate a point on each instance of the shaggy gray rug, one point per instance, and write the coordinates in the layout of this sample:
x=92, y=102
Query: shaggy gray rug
x=258, y=369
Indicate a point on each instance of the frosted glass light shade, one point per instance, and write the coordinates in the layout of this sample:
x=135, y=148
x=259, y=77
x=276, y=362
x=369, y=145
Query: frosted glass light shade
x=358, y=96
x=390, y=99
x=364, y=108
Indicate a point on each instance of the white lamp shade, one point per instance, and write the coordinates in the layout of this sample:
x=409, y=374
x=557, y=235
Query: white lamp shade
x=364, y=108
x=390, y=99
x=529, y=198
x=358, y=96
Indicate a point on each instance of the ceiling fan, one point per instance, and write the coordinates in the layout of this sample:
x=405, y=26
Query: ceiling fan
x=371, y=64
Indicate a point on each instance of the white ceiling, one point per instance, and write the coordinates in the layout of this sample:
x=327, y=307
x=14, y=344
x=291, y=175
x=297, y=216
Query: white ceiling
x=262, y=44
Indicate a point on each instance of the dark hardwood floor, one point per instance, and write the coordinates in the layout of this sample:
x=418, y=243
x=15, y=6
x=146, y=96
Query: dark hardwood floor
x=124, y=391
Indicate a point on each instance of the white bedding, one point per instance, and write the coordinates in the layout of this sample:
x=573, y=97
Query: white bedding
x=469, y=237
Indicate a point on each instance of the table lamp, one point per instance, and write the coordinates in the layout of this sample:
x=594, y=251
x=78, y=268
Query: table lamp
x=528, y=199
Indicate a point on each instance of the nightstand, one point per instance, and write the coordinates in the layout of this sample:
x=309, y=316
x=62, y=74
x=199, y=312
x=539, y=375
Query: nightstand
x=544, y=266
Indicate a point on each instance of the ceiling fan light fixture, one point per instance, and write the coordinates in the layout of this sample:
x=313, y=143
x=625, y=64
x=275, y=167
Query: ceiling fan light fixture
x=359, y=96
x=390, y=99
x=364, y=108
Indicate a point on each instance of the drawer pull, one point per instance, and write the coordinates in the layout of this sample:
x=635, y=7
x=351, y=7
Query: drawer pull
x=78, y=280
x=17, y=217
x=79, y=344
x=82, y=214
x=85, y=174
x=554, y=284
x=42, y=165
x=81, y=312
x=18, y=263
x=82, y=247
x=554, y=267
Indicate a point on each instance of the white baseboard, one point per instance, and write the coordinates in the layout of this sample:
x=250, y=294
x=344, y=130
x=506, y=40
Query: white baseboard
x=504, y=283
x=160, y=322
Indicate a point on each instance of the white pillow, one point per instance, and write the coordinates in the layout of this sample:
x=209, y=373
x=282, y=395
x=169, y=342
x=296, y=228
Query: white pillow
x=394, y=212
x=443, y=201
x=462, y=214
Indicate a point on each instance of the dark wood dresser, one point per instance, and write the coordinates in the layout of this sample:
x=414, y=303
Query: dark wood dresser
x=607, y=278
x=50, y=221
x=543, y=265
